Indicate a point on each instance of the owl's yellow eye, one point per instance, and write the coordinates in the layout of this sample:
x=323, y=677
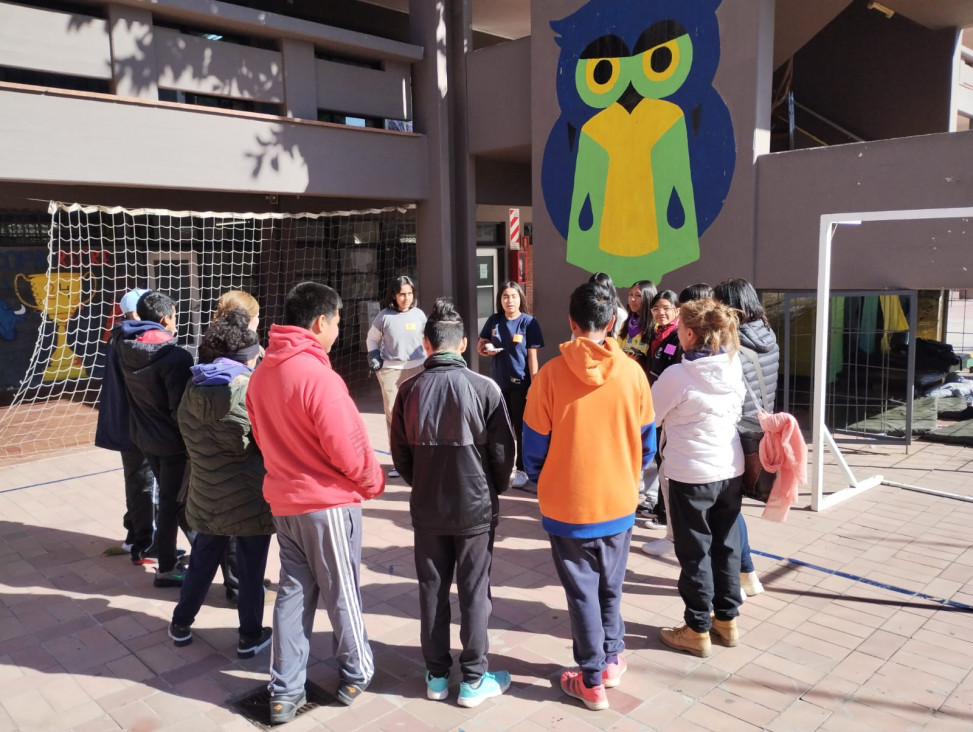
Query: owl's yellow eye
x=601, y=74
x=661, y=62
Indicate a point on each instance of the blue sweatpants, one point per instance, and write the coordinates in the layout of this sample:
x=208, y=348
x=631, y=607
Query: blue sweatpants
x=592, y=572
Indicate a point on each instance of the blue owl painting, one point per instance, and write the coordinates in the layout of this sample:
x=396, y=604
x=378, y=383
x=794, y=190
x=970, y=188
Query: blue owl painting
x=639, y=163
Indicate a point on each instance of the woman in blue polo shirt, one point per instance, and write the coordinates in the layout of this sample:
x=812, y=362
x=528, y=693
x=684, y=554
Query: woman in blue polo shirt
x=511, y=337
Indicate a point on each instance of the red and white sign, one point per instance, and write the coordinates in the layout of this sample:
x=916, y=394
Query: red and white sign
x=514, y=229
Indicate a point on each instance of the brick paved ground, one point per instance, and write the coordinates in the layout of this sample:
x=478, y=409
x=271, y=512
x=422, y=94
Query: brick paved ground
x=83, y=642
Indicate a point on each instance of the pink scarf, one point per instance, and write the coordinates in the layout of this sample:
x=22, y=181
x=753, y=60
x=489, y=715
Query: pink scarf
x=661, y=334
x=784, y=452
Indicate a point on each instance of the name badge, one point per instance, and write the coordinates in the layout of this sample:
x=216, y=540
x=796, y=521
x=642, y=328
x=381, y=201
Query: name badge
x=670, y=349
x=410, y=326
x=518, y=337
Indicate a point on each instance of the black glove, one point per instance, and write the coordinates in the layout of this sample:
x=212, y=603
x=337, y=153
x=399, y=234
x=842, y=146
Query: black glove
x=375, y=360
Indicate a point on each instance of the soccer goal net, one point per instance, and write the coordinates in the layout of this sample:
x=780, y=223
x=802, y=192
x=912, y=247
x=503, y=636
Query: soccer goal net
x=97, y=254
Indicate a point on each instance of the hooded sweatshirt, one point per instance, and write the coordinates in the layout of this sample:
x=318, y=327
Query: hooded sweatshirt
x=313, y=439
x=698, y=403
x=155, y=370
x=589, y=431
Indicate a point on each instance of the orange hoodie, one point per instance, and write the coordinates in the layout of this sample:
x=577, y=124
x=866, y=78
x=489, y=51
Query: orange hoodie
x=589, y=431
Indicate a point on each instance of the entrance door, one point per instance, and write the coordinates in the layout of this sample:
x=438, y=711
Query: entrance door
x=486, y=295
x=486, y=285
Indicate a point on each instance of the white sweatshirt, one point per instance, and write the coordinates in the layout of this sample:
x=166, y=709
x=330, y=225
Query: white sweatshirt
x=698, y=403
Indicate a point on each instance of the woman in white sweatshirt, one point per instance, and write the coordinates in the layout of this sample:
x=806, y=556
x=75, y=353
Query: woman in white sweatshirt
x=698, y=404
x=394, y=342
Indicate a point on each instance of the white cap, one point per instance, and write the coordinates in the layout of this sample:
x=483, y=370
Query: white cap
x=130, y=300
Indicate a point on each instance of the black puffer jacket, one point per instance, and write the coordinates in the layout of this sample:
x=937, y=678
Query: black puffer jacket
x=667, y=353
x=758, y=337
x=452, y=442
x=155, y=370
x=225, y=495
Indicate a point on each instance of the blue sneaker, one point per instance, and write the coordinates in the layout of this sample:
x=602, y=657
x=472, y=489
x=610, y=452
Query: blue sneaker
x=437, y=687
x=492, y=683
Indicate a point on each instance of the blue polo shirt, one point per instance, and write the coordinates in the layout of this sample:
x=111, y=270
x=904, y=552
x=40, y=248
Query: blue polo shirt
x=509, y=367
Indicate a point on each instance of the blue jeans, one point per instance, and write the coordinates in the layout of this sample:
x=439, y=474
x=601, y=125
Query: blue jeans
x=746, y=562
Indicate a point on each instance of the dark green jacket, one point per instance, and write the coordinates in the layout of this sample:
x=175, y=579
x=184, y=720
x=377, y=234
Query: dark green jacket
x=225, y=496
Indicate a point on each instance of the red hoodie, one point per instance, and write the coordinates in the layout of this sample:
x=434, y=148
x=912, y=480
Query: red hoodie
x=313, y=439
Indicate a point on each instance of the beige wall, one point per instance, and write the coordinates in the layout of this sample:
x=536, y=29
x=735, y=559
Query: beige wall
x=99, y=141
x=796, y=188
x=224, y=69
x=500, y=97
x=62, y=43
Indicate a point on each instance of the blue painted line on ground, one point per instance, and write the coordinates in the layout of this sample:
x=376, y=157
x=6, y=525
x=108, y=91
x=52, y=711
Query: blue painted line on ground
x=88, y=475
x=866, y=581
x=59, y=480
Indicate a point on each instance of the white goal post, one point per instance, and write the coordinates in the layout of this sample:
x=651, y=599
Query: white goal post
x=820, y=435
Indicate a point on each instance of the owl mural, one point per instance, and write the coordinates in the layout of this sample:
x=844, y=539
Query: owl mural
x=639, y=163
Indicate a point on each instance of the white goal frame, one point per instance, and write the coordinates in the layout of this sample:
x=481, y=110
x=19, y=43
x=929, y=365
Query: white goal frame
x=820, y=435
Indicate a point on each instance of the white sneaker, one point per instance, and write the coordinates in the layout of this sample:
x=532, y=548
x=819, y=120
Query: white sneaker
x=393, y=473
x=518, y=479
x=750, y=583
x=659, y=548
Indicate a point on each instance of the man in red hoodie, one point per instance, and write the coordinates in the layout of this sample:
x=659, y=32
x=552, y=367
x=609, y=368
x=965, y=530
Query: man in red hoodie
x=320, y=466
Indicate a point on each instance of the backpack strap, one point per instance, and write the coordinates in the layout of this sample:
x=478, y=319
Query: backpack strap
x=751, y=356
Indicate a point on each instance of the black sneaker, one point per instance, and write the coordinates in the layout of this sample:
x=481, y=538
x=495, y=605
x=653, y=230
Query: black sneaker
x=250, y=645
x=348, y=692
x=284, y=707
x=181, y=635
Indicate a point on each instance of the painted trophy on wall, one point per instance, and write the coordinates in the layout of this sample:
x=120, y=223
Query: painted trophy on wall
x=58, y=296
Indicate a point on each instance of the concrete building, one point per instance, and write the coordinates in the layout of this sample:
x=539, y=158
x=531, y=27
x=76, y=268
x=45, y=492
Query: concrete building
x=788, y=111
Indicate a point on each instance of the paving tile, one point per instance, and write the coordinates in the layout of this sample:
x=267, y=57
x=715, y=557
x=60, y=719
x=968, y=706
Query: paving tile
x=85, y=634
x=800, y=717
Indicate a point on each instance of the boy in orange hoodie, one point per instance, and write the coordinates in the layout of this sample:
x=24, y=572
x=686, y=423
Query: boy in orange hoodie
x=589, y=431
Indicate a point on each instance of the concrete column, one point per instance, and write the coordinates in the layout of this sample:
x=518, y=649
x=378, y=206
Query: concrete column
x=431, y=92
x=134, y=69
x=464, y=169
x=300, y=79
x=764, y=78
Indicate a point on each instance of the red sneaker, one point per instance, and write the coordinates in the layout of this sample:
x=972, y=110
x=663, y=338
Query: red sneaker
x=593, y=698
x=612, y=675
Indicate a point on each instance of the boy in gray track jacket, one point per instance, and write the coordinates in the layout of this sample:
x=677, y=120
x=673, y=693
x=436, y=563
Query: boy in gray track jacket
x=452, y=441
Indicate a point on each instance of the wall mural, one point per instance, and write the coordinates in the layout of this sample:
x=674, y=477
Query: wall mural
x=639, y=163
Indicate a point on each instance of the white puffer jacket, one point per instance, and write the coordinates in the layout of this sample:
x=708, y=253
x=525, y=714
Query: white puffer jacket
x=698, y=404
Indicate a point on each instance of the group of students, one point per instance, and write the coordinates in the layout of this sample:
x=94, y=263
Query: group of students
x=650, y=335
x=583, y=428
x=682, y=364
x=510, y=337
x=189, y=456
x=239, y=453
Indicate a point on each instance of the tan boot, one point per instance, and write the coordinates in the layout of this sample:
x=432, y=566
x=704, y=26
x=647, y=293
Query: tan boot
x=685, y=638
x=727, y=631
